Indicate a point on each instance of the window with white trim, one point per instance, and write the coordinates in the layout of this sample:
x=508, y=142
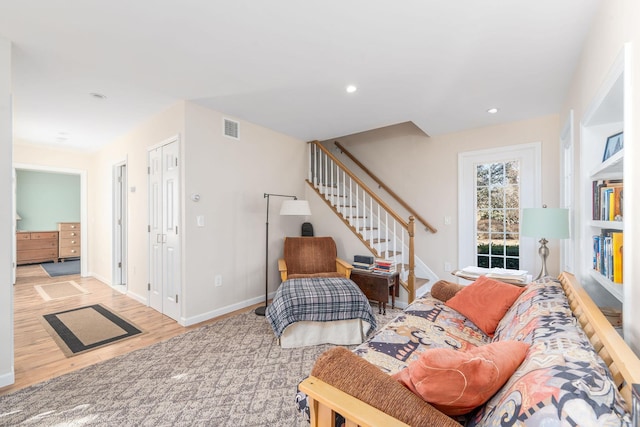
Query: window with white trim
x=497, y=210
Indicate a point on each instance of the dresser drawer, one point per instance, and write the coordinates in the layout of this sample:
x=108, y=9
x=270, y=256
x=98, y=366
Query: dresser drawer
x=22, y=245
x=68, y=226
x=43, y=235
x=70, y=234
x=70, y=243
x=69, y=252
x=36, y=255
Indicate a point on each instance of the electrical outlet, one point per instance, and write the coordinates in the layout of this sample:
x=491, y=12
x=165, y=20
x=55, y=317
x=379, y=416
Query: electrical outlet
x=447, y=220
x=447, y=266
x=217, y=281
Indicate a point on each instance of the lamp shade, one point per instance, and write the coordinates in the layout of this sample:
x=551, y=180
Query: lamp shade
x=550, y=223
x=295, y=207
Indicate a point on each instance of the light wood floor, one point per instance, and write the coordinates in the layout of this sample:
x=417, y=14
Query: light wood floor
x=37, y=357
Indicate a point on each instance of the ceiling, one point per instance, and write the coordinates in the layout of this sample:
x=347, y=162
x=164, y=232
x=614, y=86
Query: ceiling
x=285, y=64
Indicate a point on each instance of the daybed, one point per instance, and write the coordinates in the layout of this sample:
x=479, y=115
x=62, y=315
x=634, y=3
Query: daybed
x=317, y=303
x=575, y=369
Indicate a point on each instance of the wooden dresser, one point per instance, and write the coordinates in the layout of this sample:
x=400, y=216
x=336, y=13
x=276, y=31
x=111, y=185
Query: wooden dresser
x=69, y=240
x=36, y=246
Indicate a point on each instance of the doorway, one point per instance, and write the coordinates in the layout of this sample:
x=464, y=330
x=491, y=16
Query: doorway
x=119, y=227
x=164, y=217
x=493, y=186
x=83, y=203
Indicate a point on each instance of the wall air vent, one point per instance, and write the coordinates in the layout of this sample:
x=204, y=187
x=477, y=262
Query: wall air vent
x=231, y=129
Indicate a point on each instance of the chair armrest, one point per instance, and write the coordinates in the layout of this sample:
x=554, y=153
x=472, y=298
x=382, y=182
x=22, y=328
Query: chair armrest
x=325, y=401
x=282, y=268
x=343, y=267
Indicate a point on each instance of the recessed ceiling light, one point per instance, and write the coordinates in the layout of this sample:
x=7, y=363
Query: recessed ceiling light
x=351, y=89
x=492, y=110
x=97, y=95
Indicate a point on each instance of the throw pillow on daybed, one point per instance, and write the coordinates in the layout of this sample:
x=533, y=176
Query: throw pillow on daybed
x=485, y=302
x=456, y=382
x=444, y=290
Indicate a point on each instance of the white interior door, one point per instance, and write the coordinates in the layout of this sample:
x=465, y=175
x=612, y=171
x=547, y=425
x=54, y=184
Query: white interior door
x=14, y=227
x=164, y=242
x=120, y=226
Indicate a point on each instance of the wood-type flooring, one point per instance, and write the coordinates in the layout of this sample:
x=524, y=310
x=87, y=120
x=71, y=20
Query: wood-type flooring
x=37, y=357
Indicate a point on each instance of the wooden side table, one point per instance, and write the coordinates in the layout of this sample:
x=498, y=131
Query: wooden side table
x=378, y=287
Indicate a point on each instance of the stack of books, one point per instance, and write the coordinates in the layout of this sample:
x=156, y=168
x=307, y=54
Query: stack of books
x=515, y=277
x=384, y=266
x=363, y=262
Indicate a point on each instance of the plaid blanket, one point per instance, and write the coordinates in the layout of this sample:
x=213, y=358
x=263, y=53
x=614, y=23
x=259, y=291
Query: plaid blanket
x=320, y=300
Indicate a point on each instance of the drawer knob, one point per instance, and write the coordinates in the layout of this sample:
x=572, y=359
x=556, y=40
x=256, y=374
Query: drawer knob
x=73, y=226
x=73, y=251
x=73, y=234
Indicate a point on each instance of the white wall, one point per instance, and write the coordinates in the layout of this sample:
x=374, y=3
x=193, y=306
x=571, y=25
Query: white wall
x=51, y=157
x=615, y=24
x=6, y=218
x=231, y=177
x=424, y=172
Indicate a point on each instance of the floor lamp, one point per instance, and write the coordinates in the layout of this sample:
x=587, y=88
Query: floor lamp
x=289, y=207
x=553, y=223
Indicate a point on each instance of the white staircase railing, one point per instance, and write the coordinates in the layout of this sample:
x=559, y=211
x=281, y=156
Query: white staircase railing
x=378, y=226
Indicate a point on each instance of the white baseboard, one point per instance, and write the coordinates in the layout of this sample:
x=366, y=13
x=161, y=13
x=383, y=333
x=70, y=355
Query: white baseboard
x=221, y=311
x=100, y=278
x=7, y=379
x=141, y=299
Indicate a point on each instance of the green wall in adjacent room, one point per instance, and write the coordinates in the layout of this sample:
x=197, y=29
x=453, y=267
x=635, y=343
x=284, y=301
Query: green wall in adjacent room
x=44, y=198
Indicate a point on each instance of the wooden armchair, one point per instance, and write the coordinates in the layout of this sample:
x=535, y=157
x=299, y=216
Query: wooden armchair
x=311, y=257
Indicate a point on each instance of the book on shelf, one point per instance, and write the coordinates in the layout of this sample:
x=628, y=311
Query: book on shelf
x=607, y=200
x=616, y=254
x=608, y=254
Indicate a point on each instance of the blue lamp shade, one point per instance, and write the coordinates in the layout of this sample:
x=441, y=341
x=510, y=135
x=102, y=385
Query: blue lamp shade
x=550, y=223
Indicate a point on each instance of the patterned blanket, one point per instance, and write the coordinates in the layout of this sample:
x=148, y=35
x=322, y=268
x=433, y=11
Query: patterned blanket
x=562, y=381
x=322, y=299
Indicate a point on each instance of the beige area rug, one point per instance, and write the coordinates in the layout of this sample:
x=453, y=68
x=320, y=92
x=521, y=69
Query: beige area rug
x=60, y=290
x=87, y=328
x=229, y=373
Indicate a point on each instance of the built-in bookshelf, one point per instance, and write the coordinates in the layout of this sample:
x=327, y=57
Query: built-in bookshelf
x=602, y=163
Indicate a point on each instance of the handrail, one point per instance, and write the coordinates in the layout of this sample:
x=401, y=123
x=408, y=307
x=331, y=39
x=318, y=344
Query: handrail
x=407, y=226
x=386, y=188
x=371, y=193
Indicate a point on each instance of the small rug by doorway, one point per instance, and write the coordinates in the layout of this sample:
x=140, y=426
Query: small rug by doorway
x=87, y=328
x=67, y=268
x=53, y=291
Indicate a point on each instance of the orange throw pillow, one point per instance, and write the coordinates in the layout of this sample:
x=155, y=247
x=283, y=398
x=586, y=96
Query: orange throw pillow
x=456, y=382
x=485, y=302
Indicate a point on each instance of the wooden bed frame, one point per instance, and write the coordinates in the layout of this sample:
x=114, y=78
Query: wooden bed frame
x=325, y=400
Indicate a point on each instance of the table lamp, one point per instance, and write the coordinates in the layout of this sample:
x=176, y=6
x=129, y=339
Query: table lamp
x=552, y=223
